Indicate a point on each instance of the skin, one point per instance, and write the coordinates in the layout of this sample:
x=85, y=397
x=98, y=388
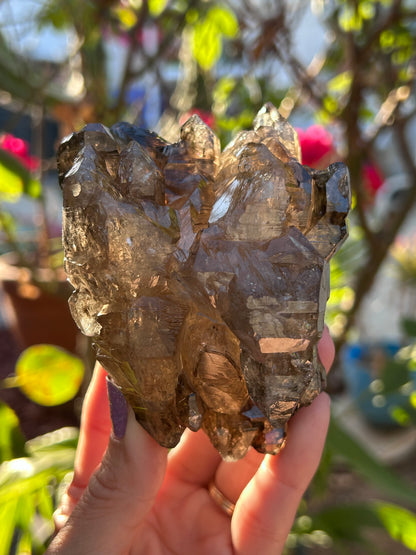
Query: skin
x=132, y=496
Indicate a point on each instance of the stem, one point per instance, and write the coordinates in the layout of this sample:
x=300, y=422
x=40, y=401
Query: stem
x=43, y=235
x=11, y=239
x=127, y=76
x=10, y=382
x=384, y=238
x=150, y=62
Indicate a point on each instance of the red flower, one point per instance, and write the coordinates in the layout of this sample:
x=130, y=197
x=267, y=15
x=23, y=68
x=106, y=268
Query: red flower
x=206, y=116
x=20, y=150
x=317, y=146
x=372, y=178
x=318, y=152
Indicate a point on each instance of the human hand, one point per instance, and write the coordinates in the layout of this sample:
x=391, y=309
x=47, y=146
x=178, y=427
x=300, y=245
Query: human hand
x=130, y=495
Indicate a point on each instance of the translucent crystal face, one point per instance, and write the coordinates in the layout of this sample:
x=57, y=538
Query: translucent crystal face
x=202, y=276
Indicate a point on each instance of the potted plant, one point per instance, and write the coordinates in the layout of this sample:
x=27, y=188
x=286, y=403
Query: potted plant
x=381, y=376
x=31, y=268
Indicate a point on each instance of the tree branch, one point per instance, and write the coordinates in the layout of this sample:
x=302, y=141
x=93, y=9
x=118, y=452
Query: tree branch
x=385, y=237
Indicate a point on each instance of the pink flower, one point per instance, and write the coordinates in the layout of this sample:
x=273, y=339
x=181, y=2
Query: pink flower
x=206, y=116
x=318, y=151
x=372, y=177
x=20, y=150
x=317, y=146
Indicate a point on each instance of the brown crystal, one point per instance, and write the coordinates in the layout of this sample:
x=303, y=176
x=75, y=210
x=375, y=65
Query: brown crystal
x=203, y=276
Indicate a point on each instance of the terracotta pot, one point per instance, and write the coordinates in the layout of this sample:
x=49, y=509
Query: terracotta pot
x=36, y=311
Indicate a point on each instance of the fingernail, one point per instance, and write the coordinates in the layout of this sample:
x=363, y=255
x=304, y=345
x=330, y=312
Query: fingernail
x=118, y=409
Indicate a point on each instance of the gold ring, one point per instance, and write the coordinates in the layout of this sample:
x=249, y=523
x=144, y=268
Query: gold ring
x=225, y=504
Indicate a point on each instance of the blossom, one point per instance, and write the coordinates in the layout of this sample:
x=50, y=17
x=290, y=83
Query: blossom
x=20, y=150
x=372, y=178
x=317, y=146
x=318, y=151
x=206, y=116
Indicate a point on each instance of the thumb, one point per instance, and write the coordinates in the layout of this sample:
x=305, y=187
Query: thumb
x=120, y=493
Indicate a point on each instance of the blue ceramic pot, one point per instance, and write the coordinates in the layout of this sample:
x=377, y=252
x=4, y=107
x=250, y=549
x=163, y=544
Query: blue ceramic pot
x=362, y=366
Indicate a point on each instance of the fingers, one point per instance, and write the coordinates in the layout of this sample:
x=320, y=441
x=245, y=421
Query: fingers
x=232, y=478
x=119, y=495
x=266, y=509
x=93, y=440
x=326, y=349
x=95, y=428
x=194, y=460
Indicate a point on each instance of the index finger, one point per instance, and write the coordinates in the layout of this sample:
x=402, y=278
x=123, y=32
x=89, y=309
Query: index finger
x=95, y=428
x=267, y=506
x=93, y=440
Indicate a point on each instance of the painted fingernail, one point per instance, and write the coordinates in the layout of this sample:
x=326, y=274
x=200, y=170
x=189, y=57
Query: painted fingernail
x=118, y=409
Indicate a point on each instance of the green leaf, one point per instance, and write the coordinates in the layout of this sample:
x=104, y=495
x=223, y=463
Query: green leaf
x=156, y=7
x=401, y=416
x=25, y=543
x=7, y=519
x=346, y=522
x=395, y=374
x=409, y=326
x=387, y=40
x=11, y=186
x=57, y=440
x=366, y=9
x=330, y=104
x=350, y=19
x=399, y=523
x=7, y=223
x=24, y=476
x=44, y=503
x=11, y=438
x=222, y=92
x=54, y=13
x=15, y=179
x=126, y=16
x=206, y=44
x=25, y=510
x=341, y=443
x=29, y=485
x=224, y=19
x=49, y=375
x=208, y=35
x=341, y=83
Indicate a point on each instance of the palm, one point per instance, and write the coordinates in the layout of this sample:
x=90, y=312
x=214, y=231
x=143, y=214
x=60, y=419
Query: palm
x=184, y=518
x=145, y=501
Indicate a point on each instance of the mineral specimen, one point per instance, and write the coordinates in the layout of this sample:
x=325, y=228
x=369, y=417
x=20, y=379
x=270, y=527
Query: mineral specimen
x=202, y=276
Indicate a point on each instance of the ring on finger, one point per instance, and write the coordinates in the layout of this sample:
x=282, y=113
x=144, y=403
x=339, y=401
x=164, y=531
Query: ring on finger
x=219, y=498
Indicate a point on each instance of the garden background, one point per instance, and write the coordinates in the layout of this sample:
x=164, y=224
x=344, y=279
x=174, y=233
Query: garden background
x=343, y=73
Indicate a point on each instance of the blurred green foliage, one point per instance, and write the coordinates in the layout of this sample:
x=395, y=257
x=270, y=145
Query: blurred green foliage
x=48, y=375
x=31, y=473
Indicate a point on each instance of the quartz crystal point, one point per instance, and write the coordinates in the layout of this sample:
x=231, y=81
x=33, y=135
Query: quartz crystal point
x=202, y=276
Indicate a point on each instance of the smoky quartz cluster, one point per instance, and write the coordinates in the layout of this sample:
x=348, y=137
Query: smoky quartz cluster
x=202, y=276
